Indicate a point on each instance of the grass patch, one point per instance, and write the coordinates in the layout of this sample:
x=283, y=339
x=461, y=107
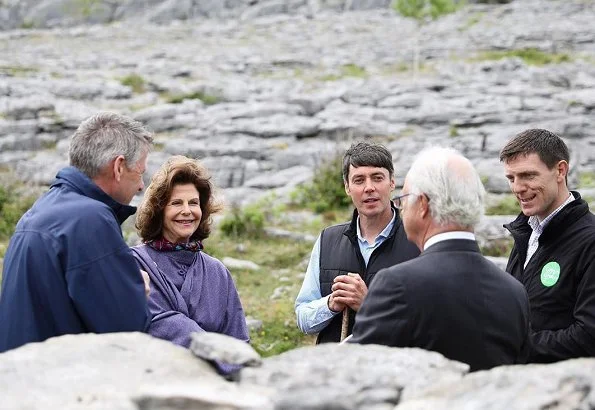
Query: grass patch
x=530, y=56
x=346, y=70
x=207, y=99
x=135, y=82
x=506, y=206
x=27, y=25
x=279, y=269
x=17, y=71
x=586, y=179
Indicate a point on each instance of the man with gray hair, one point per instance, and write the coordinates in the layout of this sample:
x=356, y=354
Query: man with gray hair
x=450, y=299
x=67, y=269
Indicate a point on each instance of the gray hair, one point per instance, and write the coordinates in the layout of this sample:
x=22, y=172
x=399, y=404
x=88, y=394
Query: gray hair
x=102, y=137
x=451, y=183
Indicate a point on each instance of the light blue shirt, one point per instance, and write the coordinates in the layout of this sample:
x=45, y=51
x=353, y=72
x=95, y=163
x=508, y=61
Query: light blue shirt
x=311, y=309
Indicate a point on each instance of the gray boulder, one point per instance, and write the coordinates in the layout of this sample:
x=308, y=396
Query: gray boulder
x=95, y=371
x=349, y=376
x=565, y=385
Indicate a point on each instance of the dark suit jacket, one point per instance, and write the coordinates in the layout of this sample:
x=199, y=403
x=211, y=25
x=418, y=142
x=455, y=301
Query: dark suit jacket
x=452, y=300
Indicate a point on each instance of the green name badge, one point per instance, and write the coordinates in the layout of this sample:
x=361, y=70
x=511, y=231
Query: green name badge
x=550, y=273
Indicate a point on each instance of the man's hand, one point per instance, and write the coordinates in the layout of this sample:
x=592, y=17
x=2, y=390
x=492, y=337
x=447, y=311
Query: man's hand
x=348, y=290
x=147, y=281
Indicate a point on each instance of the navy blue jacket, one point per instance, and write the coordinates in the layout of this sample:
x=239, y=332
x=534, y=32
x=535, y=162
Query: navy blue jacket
x=67, y=268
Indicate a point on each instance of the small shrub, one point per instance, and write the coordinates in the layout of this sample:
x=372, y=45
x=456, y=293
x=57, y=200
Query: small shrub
x=207, y=99
x=12, y=206
x=422, y=10
x=507, y=206
x=246, y=222
x=135, y=82
x=326, y=191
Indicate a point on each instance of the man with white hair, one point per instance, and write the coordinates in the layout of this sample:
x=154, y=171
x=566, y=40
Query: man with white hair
x=450, y=299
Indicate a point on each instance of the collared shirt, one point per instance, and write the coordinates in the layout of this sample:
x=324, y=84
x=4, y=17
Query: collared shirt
x=311, y=309
x=445, y=236
x=538, y=228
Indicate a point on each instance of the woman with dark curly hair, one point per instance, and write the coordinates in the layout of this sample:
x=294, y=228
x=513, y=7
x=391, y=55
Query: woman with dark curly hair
x=190, y=290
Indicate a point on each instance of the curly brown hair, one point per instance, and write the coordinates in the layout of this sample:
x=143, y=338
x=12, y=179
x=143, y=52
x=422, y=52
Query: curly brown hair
x=177, y=170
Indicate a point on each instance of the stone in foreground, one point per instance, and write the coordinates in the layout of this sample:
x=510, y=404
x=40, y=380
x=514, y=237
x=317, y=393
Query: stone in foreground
x=223, y=348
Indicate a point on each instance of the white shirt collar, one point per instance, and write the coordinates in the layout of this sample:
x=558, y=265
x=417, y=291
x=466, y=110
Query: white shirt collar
x=445, y=236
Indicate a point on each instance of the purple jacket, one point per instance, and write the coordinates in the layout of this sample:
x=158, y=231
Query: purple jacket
x=190, y=292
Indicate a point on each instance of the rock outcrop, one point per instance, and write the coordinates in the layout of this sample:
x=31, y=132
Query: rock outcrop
x=135, y=371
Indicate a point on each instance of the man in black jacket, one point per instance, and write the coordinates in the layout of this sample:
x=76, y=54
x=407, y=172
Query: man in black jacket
x=374, y=239
x=554, y=247
x=450, y=299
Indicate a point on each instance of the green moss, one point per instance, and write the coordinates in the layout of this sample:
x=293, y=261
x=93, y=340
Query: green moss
x=135, y=82
x=453, y=131
x=207, y=99
x=530, y=56
x=506, y=206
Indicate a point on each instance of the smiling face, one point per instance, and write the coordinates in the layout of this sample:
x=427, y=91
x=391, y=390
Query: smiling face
x=538, y=189
x=369, y=189
x=182, y=213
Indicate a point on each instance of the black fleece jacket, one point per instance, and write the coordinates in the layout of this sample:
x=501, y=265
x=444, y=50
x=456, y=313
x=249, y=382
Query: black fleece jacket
x=560, y=282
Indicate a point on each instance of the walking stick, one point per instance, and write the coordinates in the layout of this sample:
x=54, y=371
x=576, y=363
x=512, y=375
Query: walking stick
x=345, y=321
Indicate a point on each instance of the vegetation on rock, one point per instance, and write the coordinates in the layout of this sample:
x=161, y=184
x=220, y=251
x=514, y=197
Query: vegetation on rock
x=326, y=191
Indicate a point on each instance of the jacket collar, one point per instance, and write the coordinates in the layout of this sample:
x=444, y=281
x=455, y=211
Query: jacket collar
x=571, y=212
x=81, y=183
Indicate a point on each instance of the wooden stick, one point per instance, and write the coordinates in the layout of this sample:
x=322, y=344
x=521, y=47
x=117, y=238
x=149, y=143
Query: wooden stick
x=345, y=324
